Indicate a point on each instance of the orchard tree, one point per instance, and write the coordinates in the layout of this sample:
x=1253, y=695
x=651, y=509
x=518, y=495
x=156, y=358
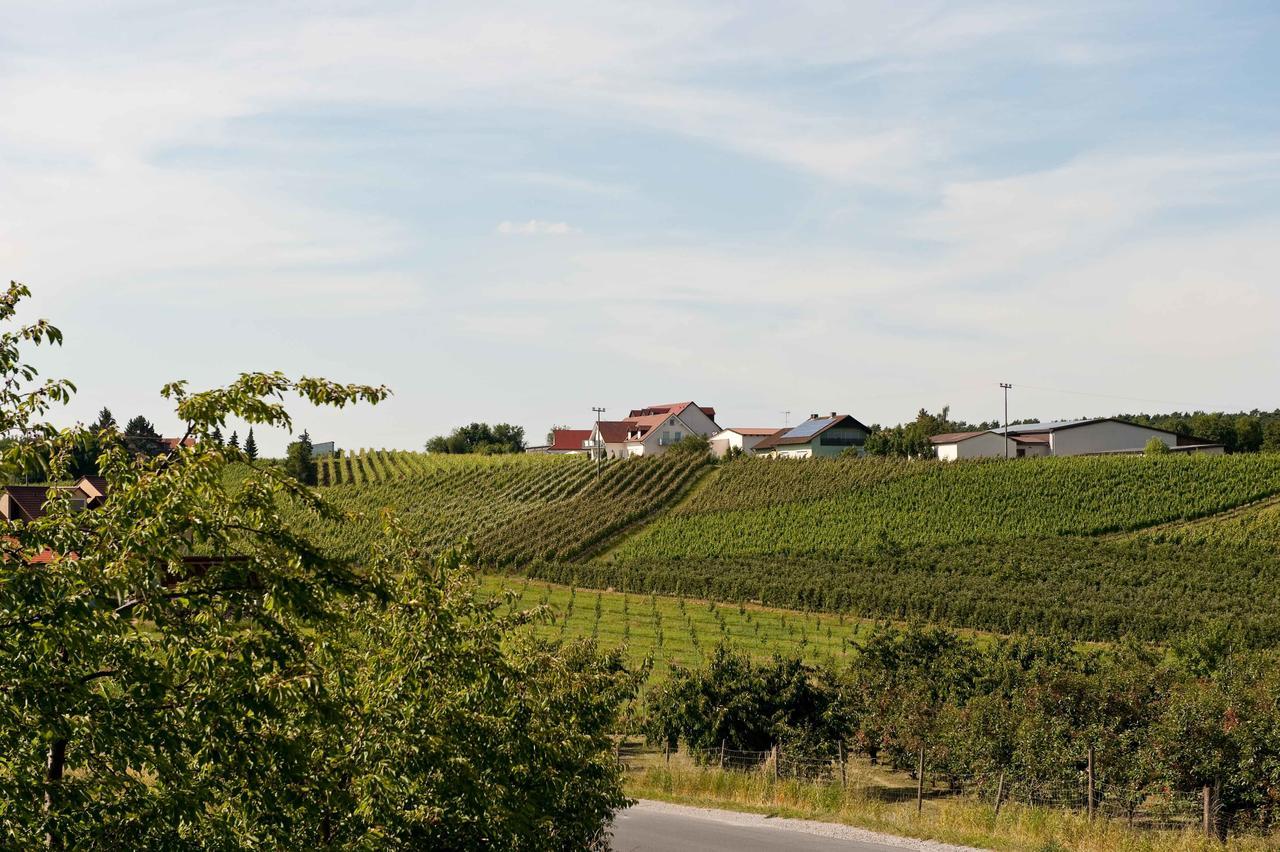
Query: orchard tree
x=179, y=669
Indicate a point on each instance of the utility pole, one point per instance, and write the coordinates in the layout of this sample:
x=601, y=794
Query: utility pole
x=1006, y=387
x=599, y=440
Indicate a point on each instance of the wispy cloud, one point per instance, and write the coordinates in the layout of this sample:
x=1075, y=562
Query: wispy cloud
x=536, y=228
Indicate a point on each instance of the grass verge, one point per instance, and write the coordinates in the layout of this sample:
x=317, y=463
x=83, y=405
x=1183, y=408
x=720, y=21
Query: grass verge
x=960, y=821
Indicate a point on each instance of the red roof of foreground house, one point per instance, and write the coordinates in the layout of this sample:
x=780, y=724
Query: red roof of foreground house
x=172, y=443
x=568, y=439
x=676, y=408
x=615, y=431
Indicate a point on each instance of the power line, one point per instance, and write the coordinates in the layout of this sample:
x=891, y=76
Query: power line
x=1181, y=404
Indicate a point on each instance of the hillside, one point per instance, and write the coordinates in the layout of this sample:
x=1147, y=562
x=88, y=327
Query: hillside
x=509, y=508
x=1097, y=548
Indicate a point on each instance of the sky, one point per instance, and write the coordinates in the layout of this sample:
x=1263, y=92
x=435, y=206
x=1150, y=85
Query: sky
x=516, y=212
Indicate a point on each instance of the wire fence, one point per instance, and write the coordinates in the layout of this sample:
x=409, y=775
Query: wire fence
x=1150, y=807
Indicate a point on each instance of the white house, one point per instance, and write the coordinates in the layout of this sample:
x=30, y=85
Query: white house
x=744, y=438
x=817, y=437
x=1096, y=436
x=973, y=445
x=650, y=430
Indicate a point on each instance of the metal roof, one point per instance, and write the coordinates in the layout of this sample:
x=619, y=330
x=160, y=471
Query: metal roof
x=1051, y=426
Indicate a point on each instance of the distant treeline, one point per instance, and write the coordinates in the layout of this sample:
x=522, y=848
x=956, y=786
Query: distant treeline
x=1239, y=432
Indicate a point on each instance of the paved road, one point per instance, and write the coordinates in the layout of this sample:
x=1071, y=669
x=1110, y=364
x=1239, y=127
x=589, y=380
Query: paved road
x=659, y=827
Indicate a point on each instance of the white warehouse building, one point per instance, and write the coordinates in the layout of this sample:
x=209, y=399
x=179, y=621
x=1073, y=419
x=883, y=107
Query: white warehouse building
x=1097, y=436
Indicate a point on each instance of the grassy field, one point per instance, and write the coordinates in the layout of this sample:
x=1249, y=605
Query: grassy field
x=680, y=631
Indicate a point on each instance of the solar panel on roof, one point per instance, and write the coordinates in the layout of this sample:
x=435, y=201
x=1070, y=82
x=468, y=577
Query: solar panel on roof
x=809, y=427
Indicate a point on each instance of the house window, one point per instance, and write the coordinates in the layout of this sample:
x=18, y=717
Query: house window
x=666, y=437
x=677, y=436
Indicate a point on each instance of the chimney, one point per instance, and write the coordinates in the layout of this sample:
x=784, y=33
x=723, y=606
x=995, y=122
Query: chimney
x=833, y=414
x=813, y=416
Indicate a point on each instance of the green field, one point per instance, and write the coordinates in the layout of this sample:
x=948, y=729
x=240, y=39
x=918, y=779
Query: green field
x=674, y=630
x=1092, y=548
x=510, y=508
x=836, y=508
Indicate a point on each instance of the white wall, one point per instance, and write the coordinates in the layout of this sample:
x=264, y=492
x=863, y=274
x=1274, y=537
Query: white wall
x=988, y=445
x=1104, y=437
x=696, y=421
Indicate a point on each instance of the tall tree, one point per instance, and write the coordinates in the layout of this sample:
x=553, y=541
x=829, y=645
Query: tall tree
x=299, y=462
x=215, y=437
x=106, y=420
x=141, y=437
x=251, y=446
x=234, y=443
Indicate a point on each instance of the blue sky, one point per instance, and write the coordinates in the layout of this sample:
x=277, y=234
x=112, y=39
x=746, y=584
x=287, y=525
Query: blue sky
x=516, y=212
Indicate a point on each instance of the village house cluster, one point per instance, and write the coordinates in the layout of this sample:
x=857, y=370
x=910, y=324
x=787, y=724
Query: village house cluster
x=651, y=430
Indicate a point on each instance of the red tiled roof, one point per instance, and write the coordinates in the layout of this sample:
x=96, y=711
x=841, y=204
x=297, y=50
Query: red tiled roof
x=676, y=408
x=172, y=443
x=568, y=439
x=615, y=431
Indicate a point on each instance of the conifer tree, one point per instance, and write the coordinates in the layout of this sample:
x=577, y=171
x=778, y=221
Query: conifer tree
x=106, y=420
x=251, y=446
x=216, y=436
x=234, y=443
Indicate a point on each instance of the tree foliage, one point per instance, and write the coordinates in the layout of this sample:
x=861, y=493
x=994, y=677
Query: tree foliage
x=141, y=437
x=180, y=669
x=1021, y=710
x=298, y=461
x=480, y=438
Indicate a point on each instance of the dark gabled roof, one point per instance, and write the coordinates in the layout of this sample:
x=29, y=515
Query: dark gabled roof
x=752, y=431
x=26, y=502
x=615, y=431
x=808, y=430
x=94, y=487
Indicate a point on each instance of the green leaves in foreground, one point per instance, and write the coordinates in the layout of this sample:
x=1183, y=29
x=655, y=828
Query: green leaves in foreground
x=179, y=668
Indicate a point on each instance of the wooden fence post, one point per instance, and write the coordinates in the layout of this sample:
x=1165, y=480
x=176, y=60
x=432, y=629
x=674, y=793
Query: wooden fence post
x=1206, y=818
x=666, y=751
x=777, y=758
x=722, y=755
x=920, y=782
x=1089, y=806
x=844, y=781
x=999, y=792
